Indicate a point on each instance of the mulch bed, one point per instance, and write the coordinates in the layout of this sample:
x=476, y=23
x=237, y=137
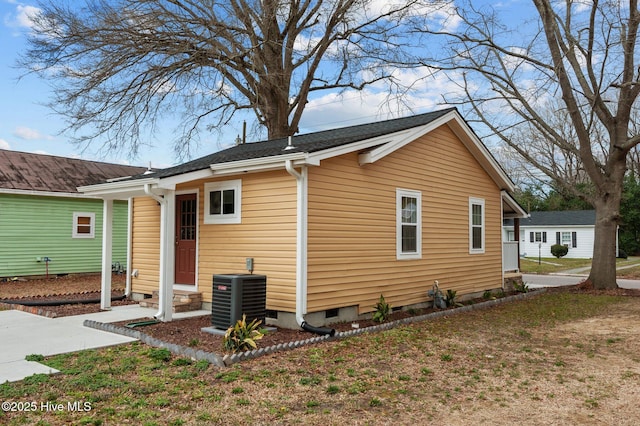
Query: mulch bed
x=187, y=332
x=77, y=305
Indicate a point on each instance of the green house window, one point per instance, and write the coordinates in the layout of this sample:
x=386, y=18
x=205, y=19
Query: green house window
x=84, y=225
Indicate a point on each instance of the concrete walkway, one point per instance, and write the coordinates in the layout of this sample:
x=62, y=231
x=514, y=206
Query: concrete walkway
x=633, y=262
x=23, y=334
x=576, y=276
x=538, y=281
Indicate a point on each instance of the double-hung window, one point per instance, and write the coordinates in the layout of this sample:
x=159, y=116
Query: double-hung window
x=222, y=202
x=537, y=237
x=408, y=224
x=569, y=239
x=476, y=225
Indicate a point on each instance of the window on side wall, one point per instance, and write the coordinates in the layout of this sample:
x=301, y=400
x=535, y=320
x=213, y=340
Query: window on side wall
x=84, y=225
x=408, y=224
x=222, y=202
x=476, y=225
x=538, y=237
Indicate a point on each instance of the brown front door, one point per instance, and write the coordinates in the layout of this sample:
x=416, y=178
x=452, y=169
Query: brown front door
x=186, y=207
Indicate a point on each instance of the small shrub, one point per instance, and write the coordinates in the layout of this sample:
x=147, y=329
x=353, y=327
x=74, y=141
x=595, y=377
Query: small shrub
x=243, y=336
x=450, y=298
x=559, y=250
x=520, y=288
x=382, y=310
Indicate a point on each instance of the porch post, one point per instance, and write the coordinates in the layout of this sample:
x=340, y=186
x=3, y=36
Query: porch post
x=107, y=238
x=167, y=254
x=516, y=234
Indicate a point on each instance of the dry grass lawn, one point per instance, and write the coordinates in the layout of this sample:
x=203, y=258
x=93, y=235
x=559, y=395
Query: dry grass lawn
x=558, y=358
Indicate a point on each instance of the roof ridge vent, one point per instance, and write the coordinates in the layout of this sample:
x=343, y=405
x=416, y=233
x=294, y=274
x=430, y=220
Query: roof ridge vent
x=289, y=144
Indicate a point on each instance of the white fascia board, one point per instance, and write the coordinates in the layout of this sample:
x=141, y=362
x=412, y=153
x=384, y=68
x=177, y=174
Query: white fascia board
x=401, y=139
x=258, y=164
x=118, y=190
x=31, y=192
x=461, y=129
x=519, y=212
x=171, y=181
x=316, y=157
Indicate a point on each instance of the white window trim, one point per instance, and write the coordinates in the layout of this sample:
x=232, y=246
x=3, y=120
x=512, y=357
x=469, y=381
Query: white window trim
x=476, y=201
x=92, y=225
x=236, y=217
x=400, y=255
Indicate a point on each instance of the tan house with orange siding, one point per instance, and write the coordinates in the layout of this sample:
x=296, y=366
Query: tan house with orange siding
x=333, y=219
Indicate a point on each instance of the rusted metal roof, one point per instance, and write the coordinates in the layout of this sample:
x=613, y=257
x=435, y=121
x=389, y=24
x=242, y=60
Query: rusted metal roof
x=48, y=173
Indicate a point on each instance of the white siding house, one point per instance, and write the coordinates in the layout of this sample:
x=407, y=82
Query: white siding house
x=541, y=230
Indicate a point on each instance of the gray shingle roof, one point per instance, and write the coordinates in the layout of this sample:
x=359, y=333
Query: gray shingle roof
x=47, y=173
x=308, y=143
x=560, y=218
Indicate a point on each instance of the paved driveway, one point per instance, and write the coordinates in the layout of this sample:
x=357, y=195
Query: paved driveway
x=23, y=334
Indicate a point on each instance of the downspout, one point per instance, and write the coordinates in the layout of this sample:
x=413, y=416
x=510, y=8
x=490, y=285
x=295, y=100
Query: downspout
x=160, y=200
x=301, y=250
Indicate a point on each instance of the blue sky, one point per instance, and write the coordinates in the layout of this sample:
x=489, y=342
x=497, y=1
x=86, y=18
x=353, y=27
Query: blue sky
x=26, y=124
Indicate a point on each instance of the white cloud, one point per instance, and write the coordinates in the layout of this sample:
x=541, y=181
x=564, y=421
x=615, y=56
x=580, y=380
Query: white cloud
x=30, y=134
x=22, y=17
x=335, y=110
x=4, y=144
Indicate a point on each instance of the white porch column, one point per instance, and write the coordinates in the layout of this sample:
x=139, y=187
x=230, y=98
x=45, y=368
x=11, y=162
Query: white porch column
x=127, y=290
x=167, y=255
x=107, y=238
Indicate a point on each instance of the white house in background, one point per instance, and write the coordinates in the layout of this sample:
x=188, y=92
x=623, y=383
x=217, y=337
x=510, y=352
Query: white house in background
x=541, y=230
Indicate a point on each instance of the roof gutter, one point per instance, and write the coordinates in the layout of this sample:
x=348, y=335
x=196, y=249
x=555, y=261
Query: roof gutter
x=260, y=164
x=301, y=249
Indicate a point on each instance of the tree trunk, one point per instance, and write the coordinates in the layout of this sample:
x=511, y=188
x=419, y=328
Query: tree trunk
x=603, y=265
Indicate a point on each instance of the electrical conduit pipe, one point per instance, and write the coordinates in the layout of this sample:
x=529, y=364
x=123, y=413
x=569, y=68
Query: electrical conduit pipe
x=301, y=251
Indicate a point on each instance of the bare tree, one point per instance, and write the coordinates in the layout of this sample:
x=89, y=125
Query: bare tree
x=120, y=66
x=583, y=53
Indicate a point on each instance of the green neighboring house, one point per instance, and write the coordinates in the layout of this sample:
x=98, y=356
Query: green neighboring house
x=42, y=215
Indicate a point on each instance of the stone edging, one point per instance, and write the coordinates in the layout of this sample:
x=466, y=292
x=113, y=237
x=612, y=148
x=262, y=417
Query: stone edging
x=228, y=360
x=30, y=309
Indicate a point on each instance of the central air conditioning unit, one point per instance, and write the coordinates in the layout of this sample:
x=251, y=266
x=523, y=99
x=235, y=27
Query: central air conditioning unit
x=237, y=294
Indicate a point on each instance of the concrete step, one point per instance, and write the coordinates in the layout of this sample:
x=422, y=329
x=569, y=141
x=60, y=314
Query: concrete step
x=183, y=301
